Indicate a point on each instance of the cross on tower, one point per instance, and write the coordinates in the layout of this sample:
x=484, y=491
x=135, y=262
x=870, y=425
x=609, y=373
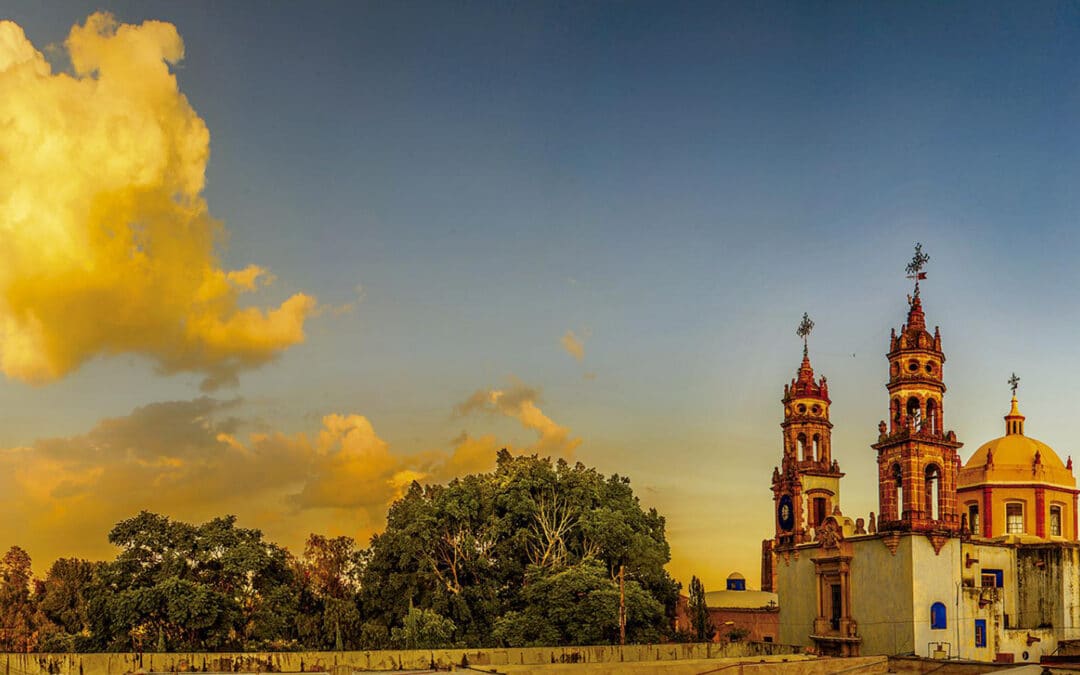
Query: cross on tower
x=1013, y=382
x=914, y=268
x=803, y=331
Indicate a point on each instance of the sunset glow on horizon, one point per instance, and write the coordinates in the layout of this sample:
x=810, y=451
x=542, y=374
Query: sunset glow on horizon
x=280, y=261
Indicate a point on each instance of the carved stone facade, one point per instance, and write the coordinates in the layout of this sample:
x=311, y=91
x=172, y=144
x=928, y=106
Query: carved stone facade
x=835, y=631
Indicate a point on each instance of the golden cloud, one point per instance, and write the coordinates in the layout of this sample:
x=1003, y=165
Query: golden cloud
x=573, y=345
x=520, y=402
x=189, y=459
x=109, y=246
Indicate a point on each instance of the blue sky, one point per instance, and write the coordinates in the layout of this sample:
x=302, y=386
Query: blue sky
x=677, y=181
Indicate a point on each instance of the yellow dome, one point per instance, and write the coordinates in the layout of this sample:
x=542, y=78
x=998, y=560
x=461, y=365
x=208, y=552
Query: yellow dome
x=1012, y=459
x=1015, y=458
x=1015, y=450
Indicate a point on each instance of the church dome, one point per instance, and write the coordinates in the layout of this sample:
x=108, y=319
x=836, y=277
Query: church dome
x=1013, y=450
x=1016, y=457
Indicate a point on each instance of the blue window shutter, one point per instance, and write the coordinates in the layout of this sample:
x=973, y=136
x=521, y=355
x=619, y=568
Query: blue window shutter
x=937, y=616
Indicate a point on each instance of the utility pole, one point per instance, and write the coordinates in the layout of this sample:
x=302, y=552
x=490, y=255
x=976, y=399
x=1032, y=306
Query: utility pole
x=622, y=608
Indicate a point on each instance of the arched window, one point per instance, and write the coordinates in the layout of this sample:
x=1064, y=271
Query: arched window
x=932, y=416
x=973, y=518
x=896, y=412
x=913, y=412
x=804, y=449
x=1055, y=521
x=1014, y=518
x=937, y=616
x=819, y=511
x=933, y=485
x=817, y=447
x=898, y=478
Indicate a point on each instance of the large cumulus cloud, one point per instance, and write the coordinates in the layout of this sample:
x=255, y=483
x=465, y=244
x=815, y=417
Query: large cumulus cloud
x=108, y=244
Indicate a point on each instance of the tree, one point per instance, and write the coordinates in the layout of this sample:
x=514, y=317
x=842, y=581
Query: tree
x=423, y=629
x=63, y=605
x=17, y=627
x=470, y=549
x=579, y=606
x=328, y=577
x=700, y=622
x=334, y=565
x=210, y=586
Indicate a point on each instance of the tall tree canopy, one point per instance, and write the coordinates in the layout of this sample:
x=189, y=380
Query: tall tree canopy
x=182, y=586
x=471, y=549
x=700, y=622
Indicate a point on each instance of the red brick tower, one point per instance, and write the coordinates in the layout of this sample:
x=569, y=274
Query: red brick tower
x=806, y=486
x=917, y=459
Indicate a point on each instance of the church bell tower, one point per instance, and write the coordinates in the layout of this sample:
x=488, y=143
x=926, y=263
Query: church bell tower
x=917, y=459
x=806, y=486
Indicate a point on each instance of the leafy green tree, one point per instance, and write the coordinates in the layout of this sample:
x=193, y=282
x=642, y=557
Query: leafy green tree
x=334, y=565
x=328, y=578
x=374, y=635
x=16, y=606
x=63, y=598
x=700, y=622
x=423, y=629
x=579, y=606
x=469, y=549
x=63, y=603
x=211, y=586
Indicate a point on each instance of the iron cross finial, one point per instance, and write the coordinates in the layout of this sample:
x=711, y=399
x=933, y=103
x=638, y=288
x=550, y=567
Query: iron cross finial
x=803, y=331
x=1014, y=381
x=915, y=267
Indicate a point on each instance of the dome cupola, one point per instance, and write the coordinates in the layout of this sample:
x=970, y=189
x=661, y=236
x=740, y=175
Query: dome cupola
x=1017, y=485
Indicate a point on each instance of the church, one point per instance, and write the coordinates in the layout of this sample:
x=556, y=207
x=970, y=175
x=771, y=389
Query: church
x=976, y=560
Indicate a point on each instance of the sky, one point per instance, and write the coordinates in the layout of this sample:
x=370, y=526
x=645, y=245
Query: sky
x=281, y=259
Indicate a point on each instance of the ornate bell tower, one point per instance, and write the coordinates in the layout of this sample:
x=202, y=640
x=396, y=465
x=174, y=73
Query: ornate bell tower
x=806, y=486
x=917, y=459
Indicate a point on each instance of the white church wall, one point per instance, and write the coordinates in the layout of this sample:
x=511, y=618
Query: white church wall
x=1070, y=609
x=881, y=596
x=797, y=589
x=936, y=578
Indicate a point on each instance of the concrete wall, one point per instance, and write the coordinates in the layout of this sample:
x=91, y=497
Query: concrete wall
x=918, y=666
x=865, y=665
x=796, y=587
x=344, y=663
x=1040, y=603
x=1015, y=642
x=760, y=623
x=970, y=597
x=881, y=593
x=1070, y=614
x=935, y=579
x=881, y=596
x=1040, y=596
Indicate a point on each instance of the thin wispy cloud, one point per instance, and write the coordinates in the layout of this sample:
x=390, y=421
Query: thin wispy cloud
x=574, y=345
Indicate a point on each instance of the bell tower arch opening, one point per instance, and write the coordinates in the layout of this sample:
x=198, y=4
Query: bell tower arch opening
x=932, y=508
x=898, y=480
